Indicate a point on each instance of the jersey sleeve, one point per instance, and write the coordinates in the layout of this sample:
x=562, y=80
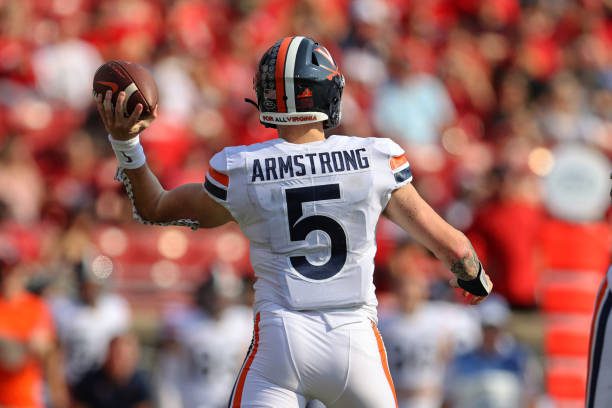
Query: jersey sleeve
x=394, y=164
x=392, y=168
x=216, y=181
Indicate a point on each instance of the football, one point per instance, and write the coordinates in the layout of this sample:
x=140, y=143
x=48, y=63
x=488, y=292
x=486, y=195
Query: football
x=134, y=79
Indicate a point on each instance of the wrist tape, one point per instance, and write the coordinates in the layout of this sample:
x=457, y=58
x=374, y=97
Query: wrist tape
x=129, y=153
x=477, y=286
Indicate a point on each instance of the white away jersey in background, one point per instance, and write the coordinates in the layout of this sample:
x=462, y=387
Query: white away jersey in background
x=418, y=348
x=85, y=331
x=310, y=213
x=200, y=371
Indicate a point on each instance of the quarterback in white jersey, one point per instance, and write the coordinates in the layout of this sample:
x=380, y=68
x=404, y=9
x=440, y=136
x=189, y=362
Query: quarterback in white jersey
x=309, y=205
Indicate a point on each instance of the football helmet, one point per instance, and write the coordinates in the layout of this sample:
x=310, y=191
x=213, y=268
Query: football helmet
x=298, y=82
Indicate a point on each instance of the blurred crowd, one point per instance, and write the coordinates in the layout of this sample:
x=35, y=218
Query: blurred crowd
x=504, y=108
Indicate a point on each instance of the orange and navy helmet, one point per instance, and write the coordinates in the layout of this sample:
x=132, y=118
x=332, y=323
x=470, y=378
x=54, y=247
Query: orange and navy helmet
x=298, y=82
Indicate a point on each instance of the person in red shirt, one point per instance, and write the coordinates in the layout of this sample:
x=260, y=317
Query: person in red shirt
x=26, y=340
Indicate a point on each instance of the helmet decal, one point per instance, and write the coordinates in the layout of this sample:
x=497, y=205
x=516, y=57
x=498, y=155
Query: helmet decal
x=281, y=60
x=294, y=45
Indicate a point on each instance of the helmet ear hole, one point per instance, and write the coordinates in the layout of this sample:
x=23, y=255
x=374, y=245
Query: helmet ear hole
x=313, y=59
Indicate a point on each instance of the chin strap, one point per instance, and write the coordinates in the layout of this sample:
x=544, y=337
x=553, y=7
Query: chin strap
x=252, y=102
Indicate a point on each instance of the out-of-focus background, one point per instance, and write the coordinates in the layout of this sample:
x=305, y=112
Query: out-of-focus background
x=504, y=108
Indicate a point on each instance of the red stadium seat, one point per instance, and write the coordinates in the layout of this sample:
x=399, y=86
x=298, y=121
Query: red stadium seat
x=570, y=293
x=566, y=378
x=567, y=337
x=579, y=246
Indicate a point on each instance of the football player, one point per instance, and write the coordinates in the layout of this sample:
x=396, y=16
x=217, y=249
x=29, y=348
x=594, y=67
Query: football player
x=599, y=382
x=87, y=322
x=205, y=345
x=309, y=205
x=417, y=337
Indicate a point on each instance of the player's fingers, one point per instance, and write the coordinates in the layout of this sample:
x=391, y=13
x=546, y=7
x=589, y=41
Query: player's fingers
x=108, y=108
x=477, y=299
x=98, y=99
x=101, y=110
x=133, y=119
x=155, y=112
x=120, y=106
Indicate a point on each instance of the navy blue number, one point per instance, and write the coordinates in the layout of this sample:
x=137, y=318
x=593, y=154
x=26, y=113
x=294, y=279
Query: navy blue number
x=300, y=228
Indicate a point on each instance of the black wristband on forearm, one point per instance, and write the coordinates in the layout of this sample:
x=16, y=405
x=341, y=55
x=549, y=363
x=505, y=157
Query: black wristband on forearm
x=477, y=286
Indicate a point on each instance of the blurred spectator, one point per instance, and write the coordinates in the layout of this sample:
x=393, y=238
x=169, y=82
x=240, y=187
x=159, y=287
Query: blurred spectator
x=28, y=354
x=566, y=116
x=417, y=347
x=21, y=185
x=418, y=339
x=505, y=233
x=118, y=383
x=204, y=346
x=414, y=107
x=499, y=373
x=64, y=70
x=88, y=321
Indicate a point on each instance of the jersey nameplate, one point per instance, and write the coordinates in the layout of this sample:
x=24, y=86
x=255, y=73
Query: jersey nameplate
x=274, y=168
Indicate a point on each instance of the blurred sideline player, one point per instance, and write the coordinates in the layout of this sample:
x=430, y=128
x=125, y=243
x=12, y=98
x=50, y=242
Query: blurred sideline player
x=87, y=321
x=309, y=205
x=203, y=347
x=599, y=380
x=419, y=343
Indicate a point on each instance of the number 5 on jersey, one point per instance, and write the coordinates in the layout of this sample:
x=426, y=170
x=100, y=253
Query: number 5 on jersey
x=300, y=227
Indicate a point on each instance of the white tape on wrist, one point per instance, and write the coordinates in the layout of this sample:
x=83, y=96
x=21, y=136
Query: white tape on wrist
x=129, y=153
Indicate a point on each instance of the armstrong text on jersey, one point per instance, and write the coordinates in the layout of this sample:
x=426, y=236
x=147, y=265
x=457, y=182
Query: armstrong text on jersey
x=307, y=164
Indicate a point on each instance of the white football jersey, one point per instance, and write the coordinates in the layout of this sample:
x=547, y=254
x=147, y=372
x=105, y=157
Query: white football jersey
x=210, y=352
x=85, y=331
x=418, y=347
x=310, y=212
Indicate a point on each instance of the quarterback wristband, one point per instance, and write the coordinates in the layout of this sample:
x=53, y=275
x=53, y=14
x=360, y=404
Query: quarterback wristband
x=477, y=286
x=129, y=153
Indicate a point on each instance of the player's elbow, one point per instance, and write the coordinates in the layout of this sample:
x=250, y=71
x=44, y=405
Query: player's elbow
x=150, y=210
x=147, y=213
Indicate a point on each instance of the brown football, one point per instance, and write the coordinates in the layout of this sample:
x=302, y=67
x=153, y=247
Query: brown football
x=134, y=79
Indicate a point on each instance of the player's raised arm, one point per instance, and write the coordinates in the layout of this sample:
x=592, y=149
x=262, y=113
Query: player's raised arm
x=187, y=205
x=408, y=210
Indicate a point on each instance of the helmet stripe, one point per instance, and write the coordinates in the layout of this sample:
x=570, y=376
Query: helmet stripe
x=290, y=72
x=279, y=74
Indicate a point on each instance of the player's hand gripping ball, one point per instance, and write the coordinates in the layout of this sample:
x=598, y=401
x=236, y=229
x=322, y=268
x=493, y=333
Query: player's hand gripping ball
x=127, y=96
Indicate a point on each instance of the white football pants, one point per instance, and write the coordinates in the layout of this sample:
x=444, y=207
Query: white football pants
x=294, y=358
